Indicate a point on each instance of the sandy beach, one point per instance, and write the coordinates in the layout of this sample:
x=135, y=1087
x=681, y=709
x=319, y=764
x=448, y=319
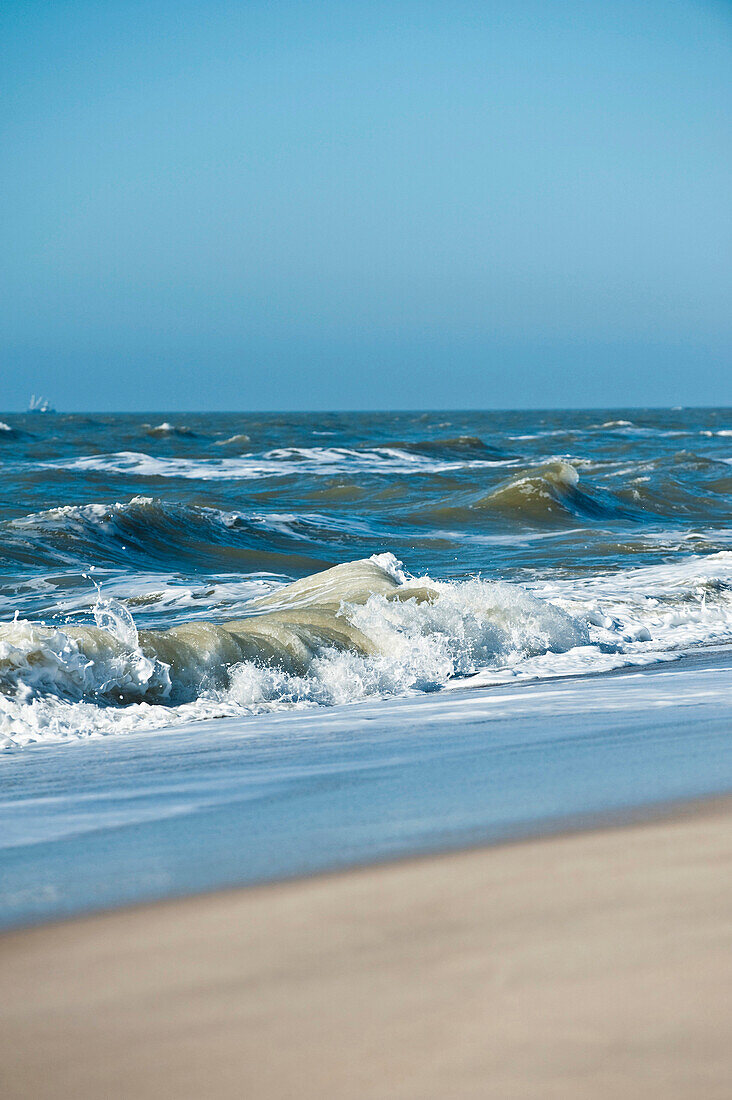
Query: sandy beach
x=594, y=964
x=365, y=551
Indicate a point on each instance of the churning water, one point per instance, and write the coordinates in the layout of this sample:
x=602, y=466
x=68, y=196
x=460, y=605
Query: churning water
x=145, y=560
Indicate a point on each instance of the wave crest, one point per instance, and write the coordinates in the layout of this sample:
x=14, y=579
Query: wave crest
x=357, y=629
x=150, y=530
x=549, y=493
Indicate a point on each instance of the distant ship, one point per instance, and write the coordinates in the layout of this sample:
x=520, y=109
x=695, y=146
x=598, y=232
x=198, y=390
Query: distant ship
x=39, y=405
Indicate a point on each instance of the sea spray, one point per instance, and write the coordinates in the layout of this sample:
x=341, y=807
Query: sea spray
x=618, y=518
x=359, y=629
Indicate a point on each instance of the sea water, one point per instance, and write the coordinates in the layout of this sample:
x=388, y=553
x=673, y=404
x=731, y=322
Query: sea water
x=200, y=577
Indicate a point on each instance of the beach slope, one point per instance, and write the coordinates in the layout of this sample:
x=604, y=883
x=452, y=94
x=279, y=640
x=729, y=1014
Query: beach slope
x=594, y=964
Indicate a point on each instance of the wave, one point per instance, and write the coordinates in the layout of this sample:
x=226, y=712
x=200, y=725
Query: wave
x=280, y=462
x=466, y=446
x=683, y=484
x=166, y=429
x=548, y=493
x=147, y=530
x=240, y=440
x=357, y=629
x=640, y=491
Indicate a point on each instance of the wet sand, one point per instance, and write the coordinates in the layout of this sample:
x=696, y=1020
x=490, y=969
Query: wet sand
x=594, y=964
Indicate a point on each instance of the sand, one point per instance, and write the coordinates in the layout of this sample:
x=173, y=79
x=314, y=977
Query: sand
x=595, y=964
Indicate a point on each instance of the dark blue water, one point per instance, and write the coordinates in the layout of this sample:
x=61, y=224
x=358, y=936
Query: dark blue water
x=473, y=694
x=620, y=519
x=192, y=497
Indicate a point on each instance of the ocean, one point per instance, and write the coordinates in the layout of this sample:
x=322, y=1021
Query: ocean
x=200, y=613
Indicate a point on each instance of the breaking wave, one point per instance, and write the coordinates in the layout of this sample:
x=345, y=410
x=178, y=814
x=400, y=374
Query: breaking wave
x=280, y=462
x=240, y=441
x=549, y=493
x=167, y=429
x=355, y=630
x=146, y=530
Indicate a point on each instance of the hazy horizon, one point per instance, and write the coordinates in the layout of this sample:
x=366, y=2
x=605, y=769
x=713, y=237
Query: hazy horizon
x=285, y=206
x=152, y=411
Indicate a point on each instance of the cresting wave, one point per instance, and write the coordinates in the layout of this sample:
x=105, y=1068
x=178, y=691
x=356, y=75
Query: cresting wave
x=166, y=429
x=548, y=493
x=148, y=530
x=545, y=492
x=559, y=491
x=355, y=630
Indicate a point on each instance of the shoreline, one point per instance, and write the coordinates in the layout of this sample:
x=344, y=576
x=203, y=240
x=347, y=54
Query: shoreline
x=571, y=825
x=585, y=963
x=129, y=820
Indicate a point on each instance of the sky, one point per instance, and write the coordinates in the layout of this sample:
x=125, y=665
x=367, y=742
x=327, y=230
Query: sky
x=313, y=205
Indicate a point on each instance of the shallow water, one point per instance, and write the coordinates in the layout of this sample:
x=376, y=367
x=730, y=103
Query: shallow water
x=531, y=545
x=130, y=818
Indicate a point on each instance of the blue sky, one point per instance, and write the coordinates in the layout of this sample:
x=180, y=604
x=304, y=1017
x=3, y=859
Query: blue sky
x=314, y=205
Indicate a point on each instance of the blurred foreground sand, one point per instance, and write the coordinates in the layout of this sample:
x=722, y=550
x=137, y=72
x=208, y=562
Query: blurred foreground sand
x=597, y=964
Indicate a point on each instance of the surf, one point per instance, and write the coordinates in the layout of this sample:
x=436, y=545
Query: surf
x=357, y=629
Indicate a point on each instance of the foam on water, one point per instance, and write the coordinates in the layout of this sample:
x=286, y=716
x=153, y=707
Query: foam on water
x=280, y=462
x=358, y=630
x=166, y=429
x=197, y=531
x=241, y=440
x=355, y=630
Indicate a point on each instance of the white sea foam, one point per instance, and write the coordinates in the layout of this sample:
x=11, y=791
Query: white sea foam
x=240, y=440
x=37, y=659
x=370, y=631
x=73, y=532
x=276, y=463
x=319, y=641
x=166, y=428
x=654, y=610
